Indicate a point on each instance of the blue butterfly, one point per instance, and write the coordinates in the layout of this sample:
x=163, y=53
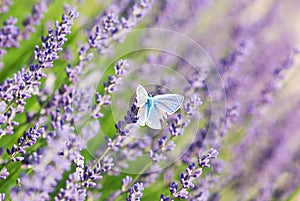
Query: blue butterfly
x=154, y=109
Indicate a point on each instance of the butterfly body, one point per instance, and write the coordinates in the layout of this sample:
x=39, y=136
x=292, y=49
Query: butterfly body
x=150, y=105
x=154, y=109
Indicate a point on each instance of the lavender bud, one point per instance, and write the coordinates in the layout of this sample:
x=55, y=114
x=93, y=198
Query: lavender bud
x=126, y=182
x=173, y=188
x=163, y=198
x=204, y=161
x=3, y=174
x=135, y=192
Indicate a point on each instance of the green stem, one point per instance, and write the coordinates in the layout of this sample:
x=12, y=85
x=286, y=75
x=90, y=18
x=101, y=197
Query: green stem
x=101, y=157
x=140, y=173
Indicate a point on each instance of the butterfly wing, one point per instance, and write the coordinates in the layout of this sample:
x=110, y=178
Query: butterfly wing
x=168, y=103
x=155, y=117
x=142, y=115
x=141, y=95
x=151, y=113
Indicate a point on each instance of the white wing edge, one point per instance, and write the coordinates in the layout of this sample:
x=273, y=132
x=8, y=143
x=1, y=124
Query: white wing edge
x=141, y=95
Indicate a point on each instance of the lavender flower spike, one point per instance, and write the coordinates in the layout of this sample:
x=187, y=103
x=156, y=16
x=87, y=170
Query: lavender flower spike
x=204, y=161
x=53, y=42
x=9, y=34
x=189, y=175
x=135, y=192
x=15, y=91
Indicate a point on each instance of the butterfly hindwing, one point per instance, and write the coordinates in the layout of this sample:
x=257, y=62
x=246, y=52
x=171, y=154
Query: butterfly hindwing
x=154, y=119
x=142, y=116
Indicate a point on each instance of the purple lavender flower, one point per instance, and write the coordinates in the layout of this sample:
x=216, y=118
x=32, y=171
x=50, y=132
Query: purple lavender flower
x=204, y=161
x=109, y=87
x=3, y=174
x=111, y=27
x=28, y=139
x=113, y=81
x=4, y=6
x=9, y=33
x=135, y=192
x=2, y=106
x=192, y=172
x=18, y=89
x=243, y=49
x=37, y=12
x=12, y=35
x=126, y=182
x=163, y=198
x=191, y=107
x=176, y=129
x=270, y=87
x=121, y=131
x=202, y=195
x=232, y=114
x=83, y=178
x=52, y=43
x=57, y=157
x=49, y=154
x=182, y=194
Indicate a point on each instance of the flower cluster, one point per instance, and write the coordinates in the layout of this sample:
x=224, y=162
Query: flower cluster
x=112, y=28
x=28, y=139
x=135, y=192
x=10, y=34
x=83, y=178
x=113, y=81
x=191, y=173
x=166, y=143
x=14, y=91
x=121, y=131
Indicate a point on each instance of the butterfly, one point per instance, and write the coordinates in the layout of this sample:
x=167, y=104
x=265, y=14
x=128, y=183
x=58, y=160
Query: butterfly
x=154, y=109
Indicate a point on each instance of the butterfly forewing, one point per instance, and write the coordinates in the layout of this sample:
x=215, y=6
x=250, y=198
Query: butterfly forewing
x=141, y=95
x=169, y=103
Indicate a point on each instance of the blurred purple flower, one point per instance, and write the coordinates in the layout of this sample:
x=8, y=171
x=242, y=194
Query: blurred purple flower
x=9, y=33
x=4, y=7
x=3, y=174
